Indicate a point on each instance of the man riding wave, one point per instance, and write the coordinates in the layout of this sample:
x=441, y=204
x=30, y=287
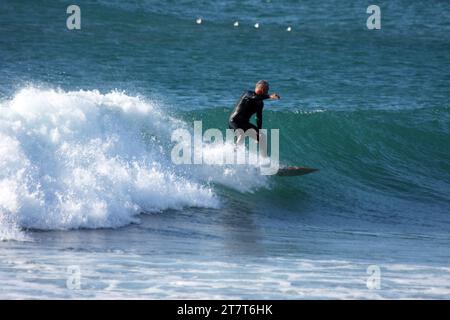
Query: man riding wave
x=250, y=103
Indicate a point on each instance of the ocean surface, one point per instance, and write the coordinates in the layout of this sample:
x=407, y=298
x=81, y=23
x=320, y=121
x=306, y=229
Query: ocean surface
x=91, y=205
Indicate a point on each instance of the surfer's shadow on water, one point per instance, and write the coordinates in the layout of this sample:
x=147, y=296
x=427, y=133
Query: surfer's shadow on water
x=242, y=235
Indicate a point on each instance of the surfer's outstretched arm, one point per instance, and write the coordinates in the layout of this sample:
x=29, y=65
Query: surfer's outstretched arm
x=275, y=96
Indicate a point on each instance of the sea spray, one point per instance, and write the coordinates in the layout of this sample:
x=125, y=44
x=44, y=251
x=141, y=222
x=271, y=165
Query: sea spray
x=79, y=159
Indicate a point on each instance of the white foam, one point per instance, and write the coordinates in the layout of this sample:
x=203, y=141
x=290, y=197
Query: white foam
x=242, y=177
x=104, y=276
x=86, y=159
x=303, y=111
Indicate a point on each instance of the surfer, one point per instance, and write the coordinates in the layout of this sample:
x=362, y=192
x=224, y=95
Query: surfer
x=250, y=103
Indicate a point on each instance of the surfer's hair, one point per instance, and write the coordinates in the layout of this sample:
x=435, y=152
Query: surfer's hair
x=262, y=83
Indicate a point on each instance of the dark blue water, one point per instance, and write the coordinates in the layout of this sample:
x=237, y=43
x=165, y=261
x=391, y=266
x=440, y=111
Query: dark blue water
x=86, y=180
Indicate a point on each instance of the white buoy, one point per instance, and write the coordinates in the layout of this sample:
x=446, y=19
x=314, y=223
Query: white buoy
x=289, y=29
x=236, y=24
x=199, y=21
x=256, y=25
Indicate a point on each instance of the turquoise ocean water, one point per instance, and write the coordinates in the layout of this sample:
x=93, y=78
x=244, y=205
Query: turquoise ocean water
x=86, y=181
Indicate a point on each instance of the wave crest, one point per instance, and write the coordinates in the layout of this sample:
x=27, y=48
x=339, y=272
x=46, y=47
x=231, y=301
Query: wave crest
x=86, y=159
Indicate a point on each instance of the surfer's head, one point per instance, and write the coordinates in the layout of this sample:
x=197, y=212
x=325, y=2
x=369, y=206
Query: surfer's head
x=262, y=87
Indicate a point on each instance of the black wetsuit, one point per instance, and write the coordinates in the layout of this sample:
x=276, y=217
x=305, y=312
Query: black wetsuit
x=249, y=104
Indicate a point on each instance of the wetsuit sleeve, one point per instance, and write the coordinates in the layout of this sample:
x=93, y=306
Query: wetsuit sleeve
x=259, y=118
x=259, y=97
